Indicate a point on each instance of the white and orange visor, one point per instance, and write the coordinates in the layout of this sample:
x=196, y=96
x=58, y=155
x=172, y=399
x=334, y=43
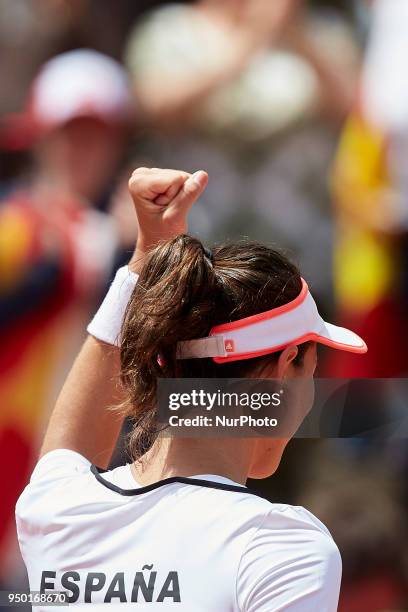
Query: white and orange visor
x=291, y=324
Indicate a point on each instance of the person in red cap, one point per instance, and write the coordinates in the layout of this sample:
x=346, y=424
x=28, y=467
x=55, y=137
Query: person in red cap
x=56, y=249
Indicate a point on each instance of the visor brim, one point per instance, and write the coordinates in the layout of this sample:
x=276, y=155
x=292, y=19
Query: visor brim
x=341, y=338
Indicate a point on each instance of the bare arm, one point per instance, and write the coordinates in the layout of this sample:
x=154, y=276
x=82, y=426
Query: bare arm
x=82, y=419
x=337, y=88
x=257, y=24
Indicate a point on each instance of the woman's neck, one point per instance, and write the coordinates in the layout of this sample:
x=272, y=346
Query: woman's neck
x=230, y=458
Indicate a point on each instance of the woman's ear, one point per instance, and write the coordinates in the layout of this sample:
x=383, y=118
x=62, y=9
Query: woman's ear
x=285, y=359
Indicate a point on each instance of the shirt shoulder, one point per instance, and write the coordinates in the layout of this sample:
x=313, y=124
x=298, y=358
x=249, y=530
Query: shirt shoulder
x=291, y=562
x=47, y=485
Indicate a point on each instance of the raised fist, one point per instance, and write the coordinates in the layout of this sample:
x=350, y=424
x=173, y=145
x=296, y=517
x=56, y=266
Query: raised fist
x=162, y=200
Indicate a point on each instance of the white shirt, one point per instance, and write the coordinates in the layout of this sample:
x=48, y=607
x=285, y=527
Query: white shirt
x=198, y=544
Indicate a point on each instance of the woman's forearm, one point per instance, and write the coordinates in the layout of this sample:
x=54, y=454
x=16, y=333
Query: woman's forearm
x=82, y=419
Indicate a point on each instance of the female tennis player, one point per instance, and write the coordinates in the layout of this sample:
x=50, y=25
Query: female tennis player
x=177, y=528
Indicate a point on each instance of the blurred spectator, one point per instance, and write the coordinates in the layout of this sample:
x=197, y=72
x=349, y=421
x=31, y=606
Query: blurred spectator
x=209, y=63
x=56, y=249
x=181, y=55
x=253, y=91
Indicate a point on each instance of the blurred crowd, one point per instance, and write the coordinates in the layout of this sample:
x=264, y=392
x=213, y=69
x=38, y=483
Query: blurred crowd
x=298, y=110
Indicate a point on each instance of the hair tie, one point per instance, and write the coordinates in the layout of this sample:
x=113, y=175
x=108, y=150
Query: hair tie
x=160, y=360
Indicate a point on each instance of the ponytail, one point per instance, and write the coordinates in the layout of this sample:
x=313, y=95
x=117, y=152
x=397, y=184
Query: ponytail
x=172, y=301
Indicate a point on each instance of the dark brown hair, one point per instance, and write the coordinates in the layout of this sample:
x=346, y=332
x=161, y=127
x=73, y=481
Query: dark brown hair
x=181, y=294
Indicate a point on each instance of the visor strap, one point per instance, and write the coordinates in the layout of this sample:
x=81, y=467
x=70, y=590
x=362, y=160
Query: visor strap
x=201, y=348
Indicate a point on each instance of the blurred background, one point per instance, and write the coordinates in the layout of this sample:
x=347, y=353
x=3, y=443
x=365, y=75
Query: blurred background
x=299, y=112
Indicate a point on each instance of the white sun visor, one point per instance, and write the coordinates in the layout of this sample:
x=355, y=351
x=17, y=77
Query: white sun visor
x=291, y=324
